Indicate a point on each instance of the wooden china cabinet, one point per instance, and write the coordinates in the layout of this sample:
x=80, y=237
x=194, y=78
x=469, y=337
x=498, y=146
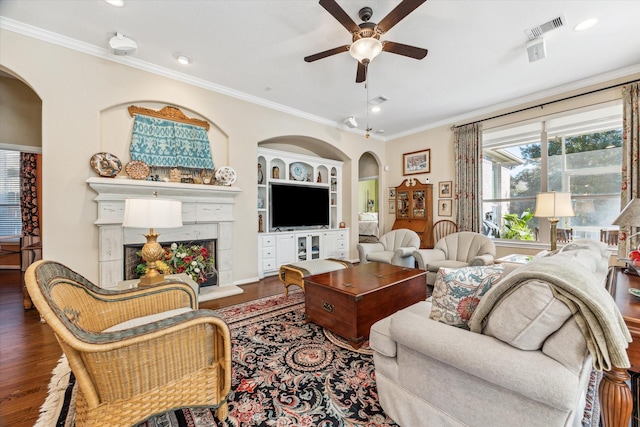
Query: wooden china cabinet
x=414, y=210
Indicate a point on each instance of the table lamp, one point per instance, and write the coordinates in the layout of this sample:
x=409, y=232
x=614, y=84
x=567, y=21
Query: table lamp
x=553, y=206
x=152, y=213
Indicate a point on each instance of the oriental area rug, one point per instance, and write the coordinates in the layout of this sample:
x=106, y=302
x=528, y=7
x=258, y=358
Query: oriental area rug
x=285, y=373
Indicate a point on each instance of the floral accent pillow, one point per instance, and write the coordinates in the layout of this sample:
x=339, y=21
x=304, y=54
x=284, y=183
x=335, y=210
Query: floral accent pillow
x=457, y=292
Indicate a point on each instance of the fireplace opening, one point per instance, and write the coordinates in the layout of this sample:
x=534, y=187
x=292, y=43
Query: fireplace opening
x=132, y=259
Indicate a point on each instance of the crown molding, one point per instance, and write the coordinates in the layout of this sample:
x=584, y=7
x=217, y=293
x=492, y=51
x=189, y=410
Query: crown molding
x=103, y=53
x=532, y=98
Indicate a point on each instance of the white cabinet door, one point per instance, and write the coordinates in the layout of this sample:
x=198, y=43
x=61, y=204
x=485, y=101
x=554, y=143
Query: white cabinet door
x=329, y=244
x=309, y=246
x=285, y=249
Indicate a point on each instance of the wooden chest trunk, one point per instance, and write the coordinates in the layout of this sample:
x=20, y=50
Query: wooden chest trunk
x=347, y=302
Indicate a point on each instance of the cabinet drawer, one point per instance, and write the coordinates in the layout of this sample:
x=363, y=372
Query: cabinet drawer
x=341, y=244
x=342, y=235
x=340, y=254
x=268, y=241
x=269, y=252
x=269, y=264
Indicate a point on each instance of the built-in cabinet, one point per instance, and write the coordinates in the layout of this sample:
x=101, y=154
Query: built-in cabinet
x=414, y=210
x=276, y=249
x=282, y=167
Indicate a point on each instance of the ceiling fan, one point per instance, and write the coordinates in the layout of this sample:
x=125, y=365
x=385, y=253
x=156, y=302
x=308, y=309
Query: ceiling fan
x=366, y=36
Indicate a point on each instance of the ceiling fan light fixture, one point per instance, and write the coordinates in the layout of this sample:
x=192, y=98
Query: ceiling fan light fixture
x=365, y=49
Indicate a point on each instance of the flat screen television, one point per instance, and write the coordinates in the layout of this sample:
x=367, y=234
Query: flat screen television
x=298, y=206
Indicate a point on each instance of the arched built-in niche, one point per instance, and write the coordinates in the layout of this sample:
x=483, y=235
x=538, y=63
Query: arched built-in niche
x=370, y=204
x=116, y=126
x=304, y=145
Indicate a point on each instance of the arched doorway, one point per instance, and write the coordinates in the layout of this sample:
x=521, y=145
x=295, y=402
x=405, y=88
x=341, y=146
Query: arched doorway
x=20, y=154
x=369, y=200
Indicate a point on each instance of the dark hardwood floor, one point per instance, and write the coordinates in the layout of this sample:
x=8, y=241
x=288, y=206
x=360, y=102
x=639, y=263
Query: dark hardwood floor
x=29, y=350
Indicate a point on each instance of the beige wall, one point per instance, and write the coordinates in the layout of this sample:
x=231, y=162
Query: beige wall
x=440, y=141
x=20, y=114
x=84, y=100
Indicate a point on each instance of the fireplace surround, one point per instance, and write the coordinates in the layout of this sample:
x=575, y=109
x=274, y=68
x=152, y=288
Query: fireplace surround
x=207, y=214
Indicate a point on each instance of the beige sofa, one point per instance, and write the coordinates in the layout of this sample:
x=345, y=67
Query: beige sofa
x=516, y=372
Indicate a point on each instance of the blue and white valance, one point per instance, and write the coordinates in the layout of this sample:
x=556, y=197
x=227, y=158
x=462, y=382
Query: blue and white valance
x=160, y=142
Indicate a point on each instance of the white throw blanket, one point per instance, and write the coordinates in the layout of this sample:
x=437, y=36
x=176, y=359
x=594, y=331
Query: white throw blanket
x=577, y=285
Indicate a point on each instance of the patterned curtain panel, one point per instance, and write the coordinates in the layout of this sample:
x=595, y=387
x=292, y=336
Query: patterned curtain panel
x=159, y=142
x=29, y=205
x=468, y=188
x=630, y=158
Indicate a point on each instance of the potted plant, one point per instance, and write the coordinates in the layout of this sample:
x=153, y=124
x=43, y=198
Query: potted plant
x=515, y=226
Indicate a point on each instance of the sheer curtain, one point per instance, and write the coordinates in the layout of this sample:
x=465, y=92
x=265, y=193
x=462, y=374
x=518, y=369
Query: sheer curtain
x=630, y=157
x=29, y=206
x=468, y=188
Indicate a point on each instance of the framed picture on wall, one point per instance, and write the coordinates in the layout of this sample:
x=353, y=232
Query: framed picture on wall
x=416, y=162
x=392, y=206
x=444, y=207
x=392, y=192
x=444, y=189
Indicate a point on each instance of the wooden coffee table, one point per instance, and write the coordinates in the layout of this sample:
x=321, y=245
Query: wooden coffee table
x=347, y=302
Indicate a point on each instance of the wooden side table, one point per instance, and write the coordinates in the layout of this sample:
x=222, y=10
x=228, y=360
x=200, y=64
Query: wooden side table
x=616, y=400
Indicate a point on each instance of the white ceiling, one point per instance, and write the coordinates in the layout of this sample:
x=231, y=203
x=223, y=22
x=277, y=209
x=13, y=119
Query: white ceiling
x=254, y=49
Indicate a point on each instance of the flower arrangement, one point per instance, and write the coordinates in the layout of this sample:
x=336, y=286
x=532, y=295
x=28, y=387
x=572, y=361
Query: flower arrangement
x=193, y=260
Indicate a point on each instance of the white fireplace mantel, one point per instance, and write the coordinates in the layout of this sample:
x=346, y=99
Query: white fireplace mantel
x=207, y=213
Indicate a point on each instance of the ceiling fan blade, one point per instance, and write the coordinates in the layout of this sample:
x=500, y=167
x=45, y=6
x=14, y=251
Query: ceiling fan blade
x=361, y=73
x=404, y=50
x=326, y=53
x=337, y=12
x=398, y=14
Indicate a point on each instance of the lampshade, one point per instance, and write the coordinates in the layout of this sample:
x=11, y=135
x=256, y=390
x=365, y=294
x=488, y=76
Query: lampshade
x=630, y=215
x=152, y=213
x=553, y=205
x=365, y=49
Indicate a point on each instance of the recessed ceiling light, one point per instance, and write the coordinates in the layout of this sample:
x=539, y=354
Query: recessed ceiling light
x=183, y=59
x=375, y=109
x=115, y=3
x=586, y=24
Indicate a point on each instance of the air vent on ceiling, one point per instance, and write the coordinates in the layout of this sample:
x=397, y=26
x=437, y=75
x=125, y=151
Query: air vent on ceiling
x=535, y=32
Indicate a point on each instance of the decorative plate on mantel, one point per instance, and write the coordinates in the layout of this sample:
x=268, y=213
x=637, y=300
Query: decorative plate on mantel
x=106, y=164
x=137, y=169
x=226, y=175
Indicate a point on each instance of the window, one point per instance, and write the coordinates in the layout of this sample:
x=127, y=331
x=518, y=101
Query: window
x=578, y=152
x=10, y=216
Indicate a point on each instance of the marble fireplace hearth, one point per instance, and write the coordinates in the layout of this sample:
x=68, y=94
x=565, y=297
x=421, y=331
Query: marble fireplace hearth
x=207, y=213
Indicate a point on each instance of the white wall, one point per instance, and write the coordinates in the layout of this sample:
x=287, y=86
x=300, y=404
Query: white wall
x=84, y=101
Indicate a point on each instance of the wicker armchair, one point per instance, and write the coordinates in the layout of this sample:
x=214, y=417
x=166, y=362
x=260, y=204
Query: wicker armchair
x=181, y=358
